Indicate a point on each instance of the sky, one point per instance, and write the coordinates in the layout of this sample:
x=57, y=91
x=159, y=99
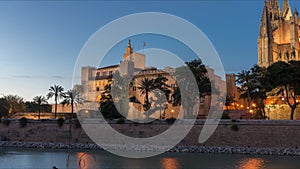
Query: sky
x=41, y=41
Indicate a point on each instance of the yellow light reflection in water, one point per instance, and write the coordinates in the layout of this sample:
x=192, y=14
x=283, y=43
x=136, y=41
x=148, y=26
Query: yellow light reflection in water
x=85, y=161
x=169, y=163
x=251, y=163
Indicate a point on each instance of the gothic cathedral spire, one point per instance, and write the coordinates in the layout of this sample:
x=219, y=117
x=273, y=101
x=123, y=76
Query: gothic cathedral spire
x=265, y=37
x=279, y=34
x=286, y=10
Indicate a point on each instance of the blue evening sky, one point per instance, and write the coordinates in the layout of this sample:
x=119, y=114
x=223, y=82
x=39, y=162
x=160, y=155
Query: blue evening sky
x=40, y=41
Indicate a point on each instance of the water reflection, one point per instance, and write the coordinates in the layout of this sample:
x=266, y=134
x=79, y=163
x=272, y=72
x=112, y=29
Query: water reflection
x=169, y=163
x=85, y=160
x=77, y=159
x=251, y=163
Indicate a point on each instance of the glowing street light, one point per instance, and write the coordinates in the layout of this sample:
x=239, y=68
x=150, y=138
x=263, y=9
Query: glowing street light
x=172, y=113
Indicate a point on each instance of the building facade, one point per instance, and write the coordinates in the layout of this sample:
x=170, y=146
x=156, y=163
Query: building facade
x=94, y=80
x=278, y=33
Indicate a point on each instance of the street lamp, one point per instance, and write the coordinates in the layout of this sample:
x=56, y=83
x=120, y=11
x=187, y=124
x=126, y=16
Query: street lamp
x=172, y=113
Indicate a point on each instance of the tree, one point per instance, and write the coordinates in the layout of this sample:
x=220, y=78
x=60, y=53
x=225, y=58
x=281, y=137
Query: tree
x=176, y=97
x=145, y=87
x=3, y=108
x=229, y=100
x=57, y=92
x=284, y=79
x=31, y=107
x=162, y=94
x=201, y=76
x=187, y=86
x=253, y=87
x=72, y=97
x=114, y=101
x=120, y=85
x=107, y=106
x=244, y=78
x=39, y=101
x=15, y=103
x=258, y=91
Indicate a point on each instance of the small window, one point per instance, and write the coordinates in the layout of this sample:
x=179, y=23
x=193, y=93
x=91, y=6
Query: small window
x=110, y=73
x=202, y=99
x=98, y=74
x=97, y=89
x=104, y=73
x=134, y=88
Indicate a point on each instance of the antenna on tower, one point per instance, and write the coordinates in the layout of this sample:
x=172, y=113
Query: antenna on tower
x=144, y=44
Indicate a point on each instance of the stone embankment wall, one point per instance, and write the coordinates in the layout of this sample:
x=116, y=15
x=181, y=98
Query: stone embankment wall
x=258, y=134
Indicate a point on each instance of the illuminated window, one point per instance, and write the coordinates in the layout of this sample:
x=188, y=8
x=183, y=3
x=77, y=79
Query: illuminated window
x=173, y=85
x=133, y=88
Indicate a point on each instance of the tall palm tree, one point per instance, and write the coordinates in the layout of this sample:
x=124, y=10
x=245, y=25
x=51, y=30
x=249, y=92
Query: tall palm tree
x=160, y=83
x=72, y=97
x=145, y=87
x=40, y=101
x=58, y=92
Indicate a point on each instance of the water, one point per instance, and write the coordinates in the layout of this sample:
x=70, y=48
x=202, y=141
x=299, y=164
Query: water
x=46, y=159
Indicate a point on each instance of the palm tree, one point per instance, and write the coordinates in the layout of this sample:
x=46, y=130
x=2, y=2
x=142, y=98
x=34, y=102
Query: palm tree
x=58, y=92
x=72, y=97
x=244, y=78
x=39, y=101
x=145, y=87
x=160, y=83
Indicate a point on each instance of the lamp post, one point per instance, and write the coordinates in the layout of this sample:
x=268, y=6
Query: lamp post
x=172, y=113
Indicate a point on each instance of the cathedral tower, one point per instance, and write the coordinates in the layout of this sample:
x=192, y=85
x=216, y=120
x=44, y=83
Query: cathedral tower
x=279, y=34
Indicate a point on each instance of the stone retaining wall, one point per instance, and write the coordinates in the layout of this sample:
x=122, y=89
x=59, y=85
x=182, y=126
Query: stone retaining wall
x=261, y=135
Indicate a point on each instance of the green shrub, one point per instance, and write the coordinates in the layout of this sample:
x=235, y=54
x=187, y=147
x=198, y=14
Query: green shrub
x=77, y=124
x=235, y=127
x=225, y=116
x=60, y=122
x=170, y=120
x=120, y=121
x=6, y=122
x=23, y=122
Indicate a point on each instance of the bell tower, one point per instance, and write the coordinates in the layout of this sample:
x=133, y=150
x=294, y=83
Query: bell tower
x=128, y=50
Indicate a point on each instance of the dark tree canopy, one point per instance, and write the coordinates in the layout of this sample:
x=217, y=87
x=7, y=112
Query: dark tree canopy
x=284, y=79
